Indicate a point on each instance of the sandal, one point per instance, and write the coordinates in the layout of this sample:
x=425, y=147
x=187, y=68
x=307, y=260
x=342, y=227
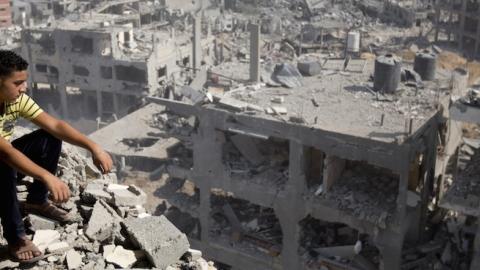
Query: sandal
x=48, y=210
x=24, y=245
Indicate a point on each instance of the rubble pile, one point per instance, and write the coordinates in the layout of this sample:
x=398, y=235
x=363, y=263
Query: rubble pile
x=251, y=227
x=256, y=159
x=368, y=196
x=465, y=189
x=173, y=125
x=334, y=241
x=110, y=229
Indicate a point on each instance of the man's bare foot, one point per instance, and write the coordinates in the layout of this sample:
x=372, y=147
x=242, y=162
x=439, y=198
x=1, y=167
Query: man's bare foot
x=24, y=250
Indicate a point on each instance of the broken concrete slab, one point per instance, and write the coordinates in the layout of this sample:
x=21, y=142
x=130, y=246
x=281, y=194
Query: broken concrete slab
x=310, y=68
x=279, y=110
x=74, y=259
x=43, y=238
x=8, y=264
x=247, y=147
x=194, y=254
x=123, y=257
x=58, y=247
x=103, y=222
x=128, y=196
x=107, y=250
x=278, y=100
x=233, y=104
x=95, y=191
x=162, y=242
x=41, y=223
x=193, y=95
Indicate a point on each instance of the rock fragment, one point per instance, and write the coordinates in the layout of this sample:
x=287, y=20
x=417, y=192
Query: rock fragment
x=162, y=242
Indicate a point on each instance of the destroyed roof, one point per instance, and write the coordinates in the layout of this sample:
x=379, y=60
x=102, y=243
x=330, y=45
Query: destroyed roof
x=342, y=101
x=120, y=137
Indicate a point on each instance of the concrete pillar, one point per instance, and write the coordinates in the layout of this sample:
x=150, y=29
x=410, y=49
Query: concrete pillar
x=450, y=20
x=63, y=101
x=477, y=36
x=196, y=43
x=254, y=52
x=207, y=169
x=390, y=245
x=289, y=210
x=216, y=51
x=115, y=104
x=437, y=22
x=99, y=103
x=404, y=172
x=461, y=31
x=333, y=169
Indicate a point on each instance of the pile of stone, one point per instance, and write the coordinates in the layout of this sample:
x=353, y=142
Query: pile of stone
x=368, y=197
x=111, y=228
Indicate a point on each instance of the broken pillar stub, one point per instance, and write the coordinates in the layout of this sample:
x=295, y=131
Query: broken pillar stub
x=254, y=52
x=309, y=68
x=162, y=242
x=103, y=222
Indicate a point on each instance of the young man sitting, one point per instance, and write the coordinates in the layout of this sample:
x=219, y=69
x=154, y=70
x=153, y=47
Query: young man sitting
x=35, y=154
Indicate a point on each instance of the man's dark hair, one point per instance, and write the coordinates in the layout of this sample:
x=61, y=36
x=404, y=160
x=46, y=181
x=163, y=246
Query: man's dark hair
x=10, y=62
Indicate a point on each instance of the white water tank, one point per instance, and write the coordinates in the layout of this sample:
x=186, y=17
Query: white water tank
x=353, y=41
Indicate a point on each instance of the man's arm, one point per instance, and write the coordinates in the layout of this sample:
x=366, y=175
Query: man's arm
x=19, y=161
x=65, y=132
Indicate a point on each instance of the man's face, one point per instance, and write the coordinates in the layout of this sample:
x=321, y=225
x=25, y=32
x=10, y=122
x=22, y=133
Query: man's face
x=13, y=85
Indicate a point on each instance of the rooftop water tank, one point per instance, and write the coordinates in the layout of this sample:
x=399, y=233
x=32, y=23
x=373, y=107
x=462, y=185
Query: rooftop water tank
x=426, y=65
x=387, y=73
x=353, y=41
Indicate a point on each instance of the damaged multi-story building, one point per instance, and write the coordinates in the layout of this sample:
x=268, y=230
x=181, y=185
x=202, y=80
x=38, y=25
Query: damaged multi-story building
x=315, y=167
x=312, y=146
x=458, y=21
x=91, y=68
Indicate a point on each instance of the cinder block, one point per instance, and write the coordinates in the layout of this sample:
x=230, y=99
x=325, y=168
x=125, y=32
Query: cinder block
x=94, y=192
x=74, y=259
x=43, y=238
x=162, y=242
x=41, y=223
x=58, y=247
x=131, y=196
x=103, y=222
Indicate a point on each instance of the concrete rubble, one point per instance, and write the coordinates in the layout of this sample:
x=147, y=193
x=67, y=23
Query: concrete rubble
x=306, y=134
x=98, y=241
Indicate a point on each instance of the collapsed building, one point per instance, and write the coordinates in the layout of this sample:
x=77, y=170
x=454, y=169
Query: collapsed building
x=93, y=69
x=284, y=174
x=314, y=147
x=459, y=21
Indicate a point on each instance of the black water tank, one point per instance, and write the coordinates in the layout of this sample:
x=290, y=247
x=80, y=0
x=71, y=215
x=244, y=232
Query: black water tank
x=387, y=74
x=426, y=65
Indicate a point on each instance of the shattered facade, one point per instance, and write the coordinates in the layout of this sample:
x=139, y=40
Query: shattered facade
x=95, y=70
x=458, y=20
x=279, y=134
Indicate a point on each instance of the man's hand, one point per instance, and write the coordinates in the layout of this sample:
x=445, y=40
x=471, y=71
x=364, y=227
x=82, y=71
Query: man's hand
x=102, y=160
x=59, y=191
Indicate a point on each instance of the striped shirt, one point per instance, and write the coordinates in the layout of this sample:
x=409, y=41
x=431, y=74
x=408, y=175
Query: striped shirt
x=24, y=106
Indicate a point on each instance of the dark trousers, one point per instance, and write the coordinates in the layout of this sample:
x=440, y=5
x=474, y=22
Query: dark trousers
x=43, y=149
